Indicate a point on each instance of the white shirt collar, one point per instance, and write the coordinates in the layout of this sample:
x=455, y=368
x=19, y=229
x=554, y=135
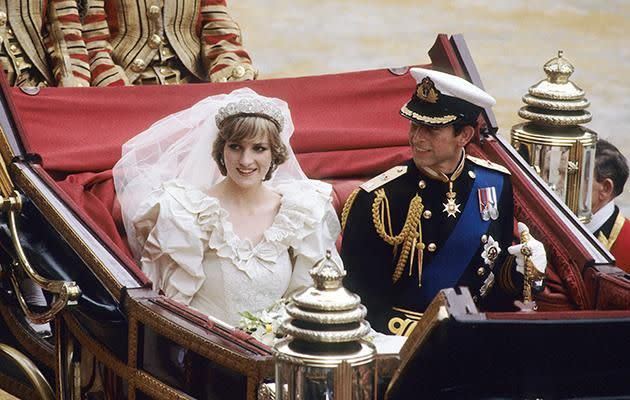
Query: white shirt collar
x=600, y=217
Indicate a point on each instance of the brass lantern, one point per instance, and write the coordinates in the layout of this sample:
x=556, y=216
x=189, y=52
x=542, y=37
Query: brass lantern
x=324, y=356
x=553, y=142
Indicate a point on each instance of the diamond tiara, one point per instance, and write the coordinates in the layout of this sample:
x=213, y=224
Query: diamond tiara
x=251, y=106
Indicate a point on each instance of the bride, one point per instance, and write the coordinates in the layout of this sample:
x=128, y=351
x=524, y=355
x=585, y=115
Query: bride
x=218, y=211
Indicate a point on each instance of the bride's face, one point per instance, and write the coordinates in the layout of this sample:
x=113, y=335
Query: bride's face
x=247, y=161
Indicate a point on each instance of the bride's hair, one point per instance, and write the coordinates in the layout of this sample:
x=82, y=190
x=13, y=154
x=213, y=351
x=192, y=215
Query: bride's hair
x=249, y=126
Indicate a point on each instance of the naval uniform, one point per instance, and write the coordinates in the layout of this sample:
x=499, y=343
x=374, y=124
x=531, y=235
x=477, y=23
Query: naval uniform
x=402, y=243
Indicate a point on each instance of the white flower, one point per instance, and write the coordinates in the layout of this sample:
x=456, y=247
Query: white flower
x=264, y=325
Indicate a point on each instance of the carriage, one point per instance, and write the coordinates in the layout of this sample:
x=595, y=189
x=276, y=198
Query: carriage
x=115, y=337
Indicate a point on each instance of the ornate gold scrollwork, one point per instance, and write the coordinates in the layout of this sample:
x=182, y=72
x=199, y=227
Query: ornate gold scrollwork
x=66, y=292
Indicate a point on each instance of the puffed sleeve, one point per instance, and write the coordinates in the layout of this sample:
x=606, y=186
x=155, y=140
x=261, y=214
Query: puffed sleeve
x=172, y=242
x=315, y=228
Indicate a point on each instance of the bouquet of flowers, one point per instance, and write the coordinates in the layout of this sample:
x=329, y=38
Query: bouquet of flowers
x=264, y=325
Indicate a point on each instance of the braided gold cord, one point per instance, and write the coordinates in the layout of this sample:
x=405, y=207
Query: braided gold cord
x=347, y=206
x=410, y=233
x=380, y=207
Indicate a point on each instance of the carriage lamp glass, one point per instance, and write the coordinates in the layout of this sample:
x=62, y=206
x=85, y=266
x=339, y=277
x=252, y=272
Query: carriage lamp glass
x=553, y=142
x=324, y=356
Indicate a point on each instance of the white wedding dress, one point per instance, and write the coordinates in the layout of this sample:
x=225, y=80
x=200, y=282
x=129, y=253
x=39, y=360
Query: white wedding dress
x=190, y=250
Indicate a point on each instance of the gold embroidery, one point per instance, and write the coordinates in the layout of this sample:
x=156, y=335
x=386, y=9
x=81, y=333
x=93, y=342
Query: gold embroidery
x=603, y=240
x=411, y=314
x=133, y=41
x=426, y=91
x=425, y=118
x=401, y=327
x=404, y=326
x=616, y=229
x=346, y=208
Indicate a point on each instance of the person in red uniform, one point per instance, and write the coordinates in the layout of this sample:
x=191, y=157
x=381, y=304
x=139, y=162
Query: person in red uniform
x=41, y=44
x=163, y=42
x=608, y=223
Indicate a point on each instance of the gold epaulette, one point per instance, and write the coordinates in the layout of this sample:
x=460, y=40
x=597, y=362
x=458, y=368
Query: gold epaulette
x=488, y=164
x=383, y=178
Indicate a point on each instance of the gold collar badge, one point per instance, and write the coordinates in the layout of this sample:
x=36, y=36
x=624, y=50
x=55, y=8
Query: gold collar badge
x=426, y=91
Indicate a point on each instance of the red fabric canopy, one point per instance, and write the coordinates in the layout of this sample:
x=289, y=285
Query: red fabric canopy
x=79, y=129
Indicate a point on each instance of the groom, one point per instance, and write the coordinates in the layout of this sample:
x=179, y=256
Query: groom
x=442, y=219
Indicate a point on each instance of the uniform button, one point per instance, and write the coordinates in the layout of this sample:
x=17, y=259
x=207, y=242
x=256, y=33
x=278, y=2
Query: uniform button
x=164, y=52
x=155, y=41
x=238, y=71
x=481, y=271
x=138, y=65
x=484, y=239
x=13, y=48
x=3, y=18
x=422, y=184
x=163, y=71
x=431, y=247
x=154, y=10
x=472, y=174
x=10, y=31
x=427, y=214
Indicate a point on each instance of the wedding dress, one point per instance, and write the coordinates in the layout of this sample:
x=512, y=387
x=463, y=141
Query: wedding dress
x=192, y=253
x=183, y=238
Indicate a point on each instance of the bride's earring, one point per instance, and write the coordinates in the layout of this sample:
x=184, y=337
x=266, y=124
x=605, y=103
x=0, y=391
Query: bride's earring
x=221, y=161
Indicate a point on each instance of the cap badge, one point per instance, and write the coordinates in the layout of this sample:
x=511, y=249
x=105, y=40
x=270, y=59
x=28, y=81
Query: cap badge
x=426, y=91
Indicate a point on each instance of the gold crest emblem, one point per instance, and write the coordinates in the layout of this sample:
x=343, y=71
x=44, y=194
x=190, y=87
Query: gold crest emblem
x=426, y=91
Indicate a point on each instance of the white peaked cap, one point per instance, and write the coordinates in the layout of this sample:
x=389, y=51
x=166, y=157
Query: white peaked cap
x=455, y=86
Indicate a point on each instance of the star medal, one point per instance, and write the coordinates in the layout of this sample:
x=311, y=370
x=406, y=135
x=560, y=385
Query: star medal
x=451, y=208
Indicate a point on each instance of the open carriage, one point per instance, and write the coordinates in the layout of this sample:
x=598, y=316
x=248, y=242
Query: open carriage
x=61, y=226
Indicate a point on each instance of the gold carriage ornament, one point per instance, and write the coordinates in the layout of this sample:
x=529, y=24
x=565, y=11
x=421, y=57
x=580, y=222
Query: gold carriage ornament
x=553, y=142
x=325, y=355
